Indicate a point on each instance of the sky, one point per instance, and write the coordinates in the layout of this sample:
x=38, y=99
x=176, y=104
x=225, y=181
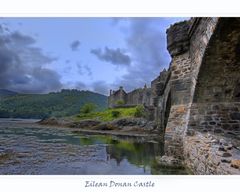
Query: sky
x=41, y=55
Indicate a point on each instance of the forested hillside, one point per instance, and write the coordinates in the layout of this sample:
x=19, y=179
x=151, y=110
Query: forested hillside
x=59, y=104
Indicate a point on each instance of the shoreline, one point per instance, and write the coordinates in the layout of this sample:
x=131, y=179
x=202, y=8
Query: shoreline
x=35, y=123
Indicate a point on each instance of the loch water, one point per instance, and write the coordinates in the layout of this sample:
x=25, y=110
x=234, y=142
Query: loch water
x=33, y=150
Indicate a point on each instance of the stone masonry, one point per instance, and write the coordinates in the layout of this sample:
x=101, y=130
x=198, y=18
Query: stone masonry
x=203, y=126
x=120, y=98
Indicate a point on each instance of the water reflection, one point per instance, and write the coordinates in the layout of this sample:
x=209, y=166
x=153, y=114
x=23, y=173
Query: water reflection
x=133, y=151
x=37, y=150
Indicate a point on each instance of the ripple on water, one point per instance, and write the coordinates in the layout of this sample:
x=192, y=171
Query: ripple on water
x=60, y=151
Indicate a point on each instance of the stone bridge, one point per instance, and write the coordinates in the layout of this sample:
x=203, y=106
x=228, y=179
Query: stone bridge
x=202, y=98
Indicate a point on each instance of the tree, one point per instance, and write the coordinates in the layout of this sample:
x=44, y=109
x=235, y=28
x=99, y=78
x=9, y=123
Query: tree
x=87, y=108
x=139, y=111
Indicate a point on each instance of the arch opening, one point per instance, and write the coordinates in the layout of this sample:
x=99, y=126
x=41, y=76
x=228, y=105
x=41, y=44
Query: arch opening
x=216, y=102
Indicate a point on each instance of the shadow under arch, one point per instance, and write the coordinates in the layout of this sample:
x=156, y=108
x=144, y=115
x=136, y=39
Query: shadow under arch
x=216, y=101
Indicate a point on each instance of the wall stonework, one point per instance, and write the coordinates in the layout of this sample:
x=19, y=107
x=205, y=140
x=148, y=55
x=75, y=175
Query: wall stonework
x=210, y=154
x=221, y=118
x=209, y=93
x=178, y=39
x=141, y=96
x=154, y=98
x=115, y=96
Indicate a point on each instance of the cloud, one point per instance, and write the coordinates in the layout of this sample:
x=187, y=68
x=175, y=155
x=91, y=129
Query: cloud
x=80, y=85
x=88, y=70
x=23, y=66
x=20, y=39
x=114, y=56
x=75, y=45
x=100, y=87
x=79, y=68
x=146, y=41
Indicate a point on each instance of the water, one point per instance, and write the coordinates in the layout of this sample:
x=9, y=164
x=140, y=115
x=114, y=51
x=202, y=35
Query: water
x=27, y=149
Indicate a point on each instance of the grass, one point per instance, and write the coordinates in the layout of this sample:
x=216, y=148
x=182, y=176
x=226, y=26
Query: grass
x=108, y=114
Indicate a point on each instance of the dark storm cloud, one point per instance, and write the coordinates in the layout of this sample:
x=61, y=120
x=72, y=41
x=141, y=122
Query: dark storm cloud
x=21, y=39
x=23, y=65
x=146, y=41
x=75, y=45
x=114, y=56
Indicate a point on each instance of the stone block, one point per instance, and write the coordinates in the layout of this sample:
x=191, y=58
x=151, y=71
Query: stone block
x=235, y=163
x=235, y=116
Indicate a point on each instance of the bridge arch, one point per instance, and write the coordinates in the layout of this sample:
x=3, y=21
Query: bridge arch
x=216, y=100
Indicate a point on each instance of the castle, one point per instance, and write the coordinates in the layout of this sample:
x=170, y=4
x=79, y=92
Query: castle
x=196, y=102
x=142, y=96
x=148, y=97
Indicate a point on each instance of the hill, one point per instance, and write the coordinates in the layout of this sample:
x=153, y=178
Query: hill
x=58, y=104
x=6, y=93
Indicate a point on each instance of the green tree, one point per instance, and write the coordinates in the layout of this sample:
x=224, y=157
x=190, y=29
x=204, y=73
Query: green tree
x=87, y=108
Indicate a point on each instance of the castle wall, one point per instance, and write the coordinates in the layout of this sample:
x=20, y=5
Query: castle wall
x=115, y=96
x=135, y=97
x=141, y=96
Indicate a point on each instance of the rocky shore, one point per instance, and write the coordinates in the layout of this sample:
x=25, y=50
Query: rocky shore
x=122, y=126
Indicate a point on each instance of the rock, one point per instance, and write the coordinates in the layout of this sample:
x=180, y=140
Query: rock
x=222, y=142
x=49, y=121
x=218, y=131
x=221, y=148
x=214, y=141
x=190, y=132
x=135, y=123
x=85, y=124
x=226, y=160
x=235, y=163
x=105, y=126
x=235, y=116
x=229, y=147
x=169, y=161
x=223, y=154
x=226, y=154
x=209, y=136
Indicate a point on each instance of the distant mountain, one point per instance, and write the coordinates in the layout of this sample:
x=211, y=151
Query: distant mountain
x=59, y=104
x=6, y=93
